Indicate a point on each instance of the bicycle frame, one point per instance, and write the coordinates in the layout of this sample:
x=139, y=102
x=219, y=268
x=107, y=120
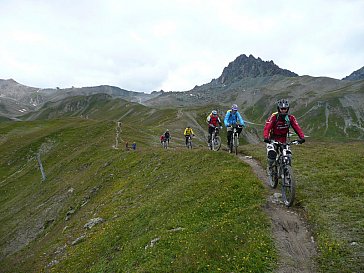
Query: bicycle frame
x=189, y=142
x=234, y=141
x=282, y=170
x=165, y=144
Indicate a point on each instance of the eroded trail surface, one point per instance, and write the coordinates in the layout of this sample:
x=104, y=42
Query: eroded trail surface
x=295, y=245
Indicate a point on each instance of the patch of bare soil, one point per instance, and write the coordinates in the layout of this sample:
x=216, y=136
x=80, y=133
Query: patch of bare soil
x=295, y=245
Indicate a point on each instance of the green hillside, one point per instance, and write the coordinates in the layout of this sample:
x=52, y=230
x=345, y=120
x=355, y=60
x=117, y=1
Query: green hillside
x=158, y=210
x=206, y=220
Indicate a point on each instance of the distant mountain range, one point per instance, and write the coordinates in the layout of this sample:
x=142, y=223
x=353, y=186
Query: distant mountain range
x=322, y=103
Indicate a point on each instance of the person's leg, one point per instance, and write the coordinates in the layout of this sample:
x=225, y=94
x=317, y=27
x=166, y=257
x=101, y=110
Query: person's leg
x=271, y=154
x=210, y=135
x=229, y=133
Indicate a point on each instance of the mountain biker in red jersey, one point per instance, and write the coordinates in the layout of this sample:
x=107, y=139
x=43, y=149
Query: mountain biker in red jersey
x=162, y=138
x=213, y=121
x=277, y=127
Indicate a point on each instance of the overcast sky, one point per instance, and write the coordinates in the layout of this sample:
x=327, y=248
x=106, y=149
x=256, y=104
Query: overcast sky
x=146, y=45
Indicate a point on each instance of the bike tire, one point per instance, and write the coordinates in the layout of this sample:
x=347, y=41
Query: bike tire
x=189, y=144
x=273, y=176
x=216, y=143
x=288, y=186
x=236, y=144
x=231, y=148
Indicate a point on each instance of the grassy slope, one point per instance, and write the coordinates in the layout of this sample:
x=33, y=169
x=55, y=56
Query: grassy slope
x=144, y=195
x=213, y=197
x=330, y=189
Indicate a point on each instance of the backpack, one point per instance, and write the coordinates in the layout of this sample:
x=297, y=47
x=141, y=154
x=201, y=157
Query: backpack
x=286, y=118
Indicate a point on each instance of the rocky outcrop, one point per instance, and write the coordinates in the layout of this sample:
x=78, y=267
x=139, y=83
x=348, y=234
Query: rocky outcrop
x=356, y=75
x=250, y=67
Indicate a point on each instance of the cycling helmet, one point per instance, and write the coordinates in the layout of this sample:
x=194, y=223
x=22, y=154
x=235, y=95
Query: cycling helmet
x=282, y=103
x=167, y=130
x=234, y=107
x=214, y=112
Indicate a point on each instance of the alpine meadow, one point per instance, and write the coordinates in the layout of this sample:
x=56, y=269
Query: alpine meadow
x=75, y=196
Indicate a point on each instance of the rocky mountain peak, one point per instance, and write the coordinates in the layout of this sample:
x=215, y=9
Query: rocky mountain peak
x=356, y=75
x=251, y=67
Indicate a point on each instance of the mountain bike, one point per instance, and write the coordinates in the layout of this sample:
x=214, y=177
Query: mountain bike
x=215, y=143
x=189, y=142
x=234, y=141
x=165, y=144
x=281, y=169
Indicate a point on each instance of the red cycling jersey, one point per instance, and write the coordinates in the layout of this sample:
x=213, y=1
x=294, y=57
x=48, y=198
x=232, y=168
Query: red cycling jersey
x=277, y=127
x=214, y=120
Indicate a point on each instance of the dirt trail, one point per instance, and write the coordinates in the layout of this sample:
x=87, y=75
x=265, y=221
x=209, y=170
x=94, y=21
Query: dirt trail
x=294, y=243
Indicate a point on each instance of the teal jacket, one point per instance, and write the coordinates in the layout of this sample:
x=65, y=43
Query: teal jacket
x=233, y=118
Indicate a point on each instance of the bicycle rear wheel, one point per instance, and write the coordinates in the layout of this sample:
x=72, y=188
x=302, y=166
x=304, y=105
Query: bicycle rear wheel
x=288, y=186
x=273, y=175
x=216, y=143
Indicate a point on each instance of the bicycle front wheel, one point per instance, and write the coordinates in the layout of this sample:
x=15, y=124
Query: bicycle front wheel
x=236, y=144
x=288, y=186
x=273, y=175
x=216, y=143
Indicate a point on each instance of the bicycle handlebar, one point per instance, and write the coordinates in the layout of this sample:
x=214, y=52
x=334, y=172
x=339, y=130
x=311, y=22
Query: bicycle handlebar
x=236, y=126
x=293, y=142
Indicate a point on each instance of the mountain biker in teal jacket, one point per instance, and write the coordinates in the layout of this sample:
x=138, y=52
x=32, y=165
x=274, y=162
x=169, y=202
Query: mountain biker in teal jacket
x=233, y=117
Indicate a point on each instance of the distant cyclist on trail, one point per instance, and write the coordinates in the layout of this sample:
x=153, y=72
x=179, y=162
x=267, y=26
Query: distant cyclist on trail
x=187, y=133
x=233, y=117
x=213, y=120
x=162, y=138
x=277, y=127
x=167, y=136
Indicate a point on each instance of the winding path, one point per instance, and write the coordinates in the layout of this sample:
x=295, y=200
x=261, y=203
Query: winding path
x=295, y=245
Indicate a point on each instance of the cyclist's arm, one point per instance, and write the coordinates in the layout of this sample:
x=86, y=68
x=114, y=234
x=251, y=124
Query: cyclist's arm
x=241, y=121
x=208, y=119
x=296, y=127
x=268, y=127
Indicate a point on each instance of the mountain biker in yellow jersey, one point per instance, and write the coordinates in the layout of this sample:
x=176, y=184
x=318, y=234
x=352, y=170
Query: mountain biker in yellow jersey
x=213, y=120
x=277, y=127
x=233, y=117
x=188, y=132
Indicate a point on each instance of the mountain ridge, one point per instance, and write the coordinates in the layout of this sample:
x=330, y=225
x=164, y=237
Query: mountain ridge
x=327, y=106
x=356, y=75
x=251, y=67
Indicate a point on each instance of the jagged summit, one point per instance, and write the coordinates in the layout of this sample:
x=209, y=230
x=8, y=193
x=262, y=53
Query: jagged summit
x=250, y=67
x=356, y=75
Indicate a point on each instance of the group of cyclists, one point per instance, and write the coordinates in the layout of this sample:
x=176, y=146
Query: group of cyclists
x=276, y=127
